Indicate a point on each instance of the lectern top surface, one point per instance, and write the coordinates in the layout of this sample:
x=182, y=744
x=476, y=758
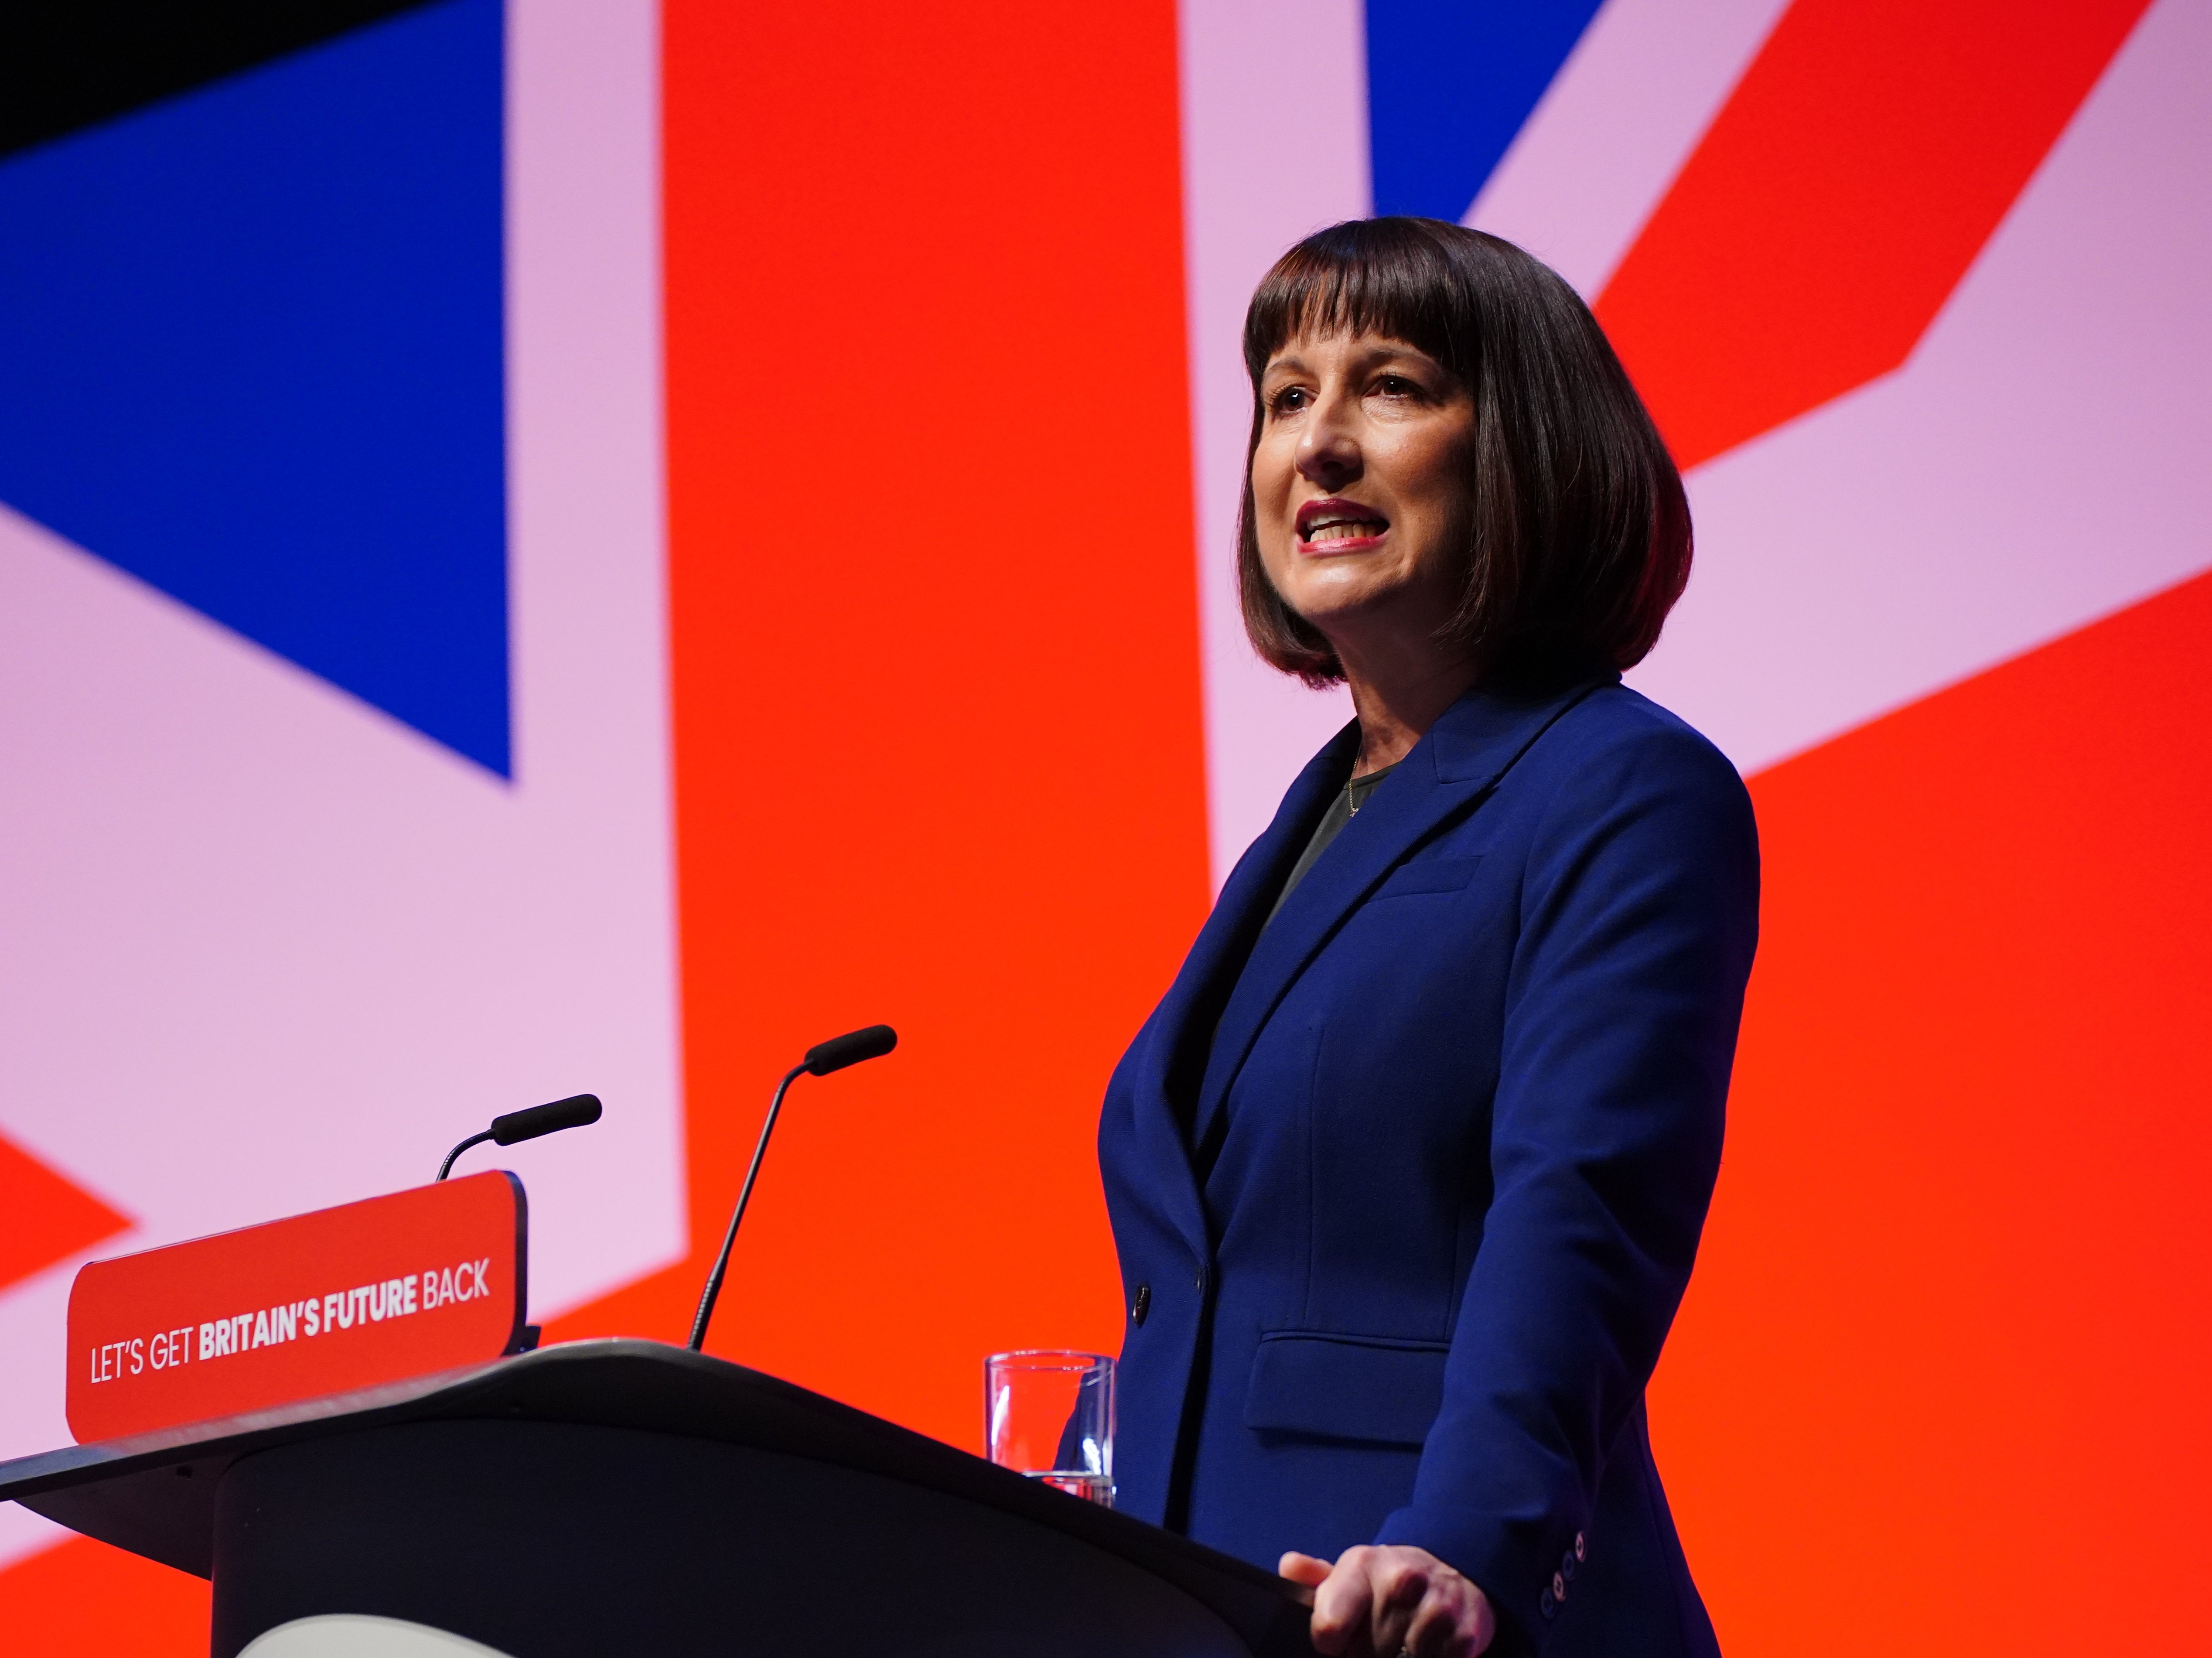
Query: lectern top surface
x=154, y=1494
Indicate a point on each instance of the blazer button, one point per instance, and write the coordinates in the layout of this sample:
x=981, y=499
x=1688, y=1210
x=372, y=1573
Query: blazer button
x=1143, y=1303
x=1582, y=1549
x=1199, y=1283
x=1559, y=1587
x=1567, y=1564
x=1548, y=1603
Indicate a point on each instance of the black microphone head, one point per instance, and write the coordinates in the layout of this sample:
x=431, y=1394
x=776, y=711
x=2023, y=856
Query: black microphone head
x=850, y=1048
x=572, y=1113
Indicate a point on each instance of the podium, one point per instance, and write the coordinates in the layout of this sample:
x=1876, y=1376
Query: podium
x=610, y=1497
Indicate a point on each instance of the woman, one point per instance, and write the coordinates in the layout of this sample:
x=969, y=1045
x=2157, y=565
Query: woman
x=1406, y=1171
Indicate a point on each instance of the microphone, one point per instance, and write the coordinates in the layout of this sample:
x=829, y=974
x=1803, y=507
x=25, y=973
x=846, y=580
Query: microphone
x=516, y=1127
x=851, y=1048
x=821, y=1060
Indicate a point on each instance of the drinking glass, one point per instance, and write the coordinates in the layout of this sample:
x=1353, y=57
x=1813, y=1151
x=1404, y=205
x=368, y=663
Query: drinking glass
x=1049, y=1414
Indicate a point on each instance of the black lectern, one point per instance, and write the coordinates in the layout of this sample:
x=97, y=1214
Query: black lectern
x=624, y=1497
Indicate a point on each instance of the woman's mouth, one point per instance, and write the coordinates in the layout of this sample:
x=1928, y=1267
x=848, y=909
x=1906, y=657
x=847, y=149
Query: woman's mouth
x=1339, y=526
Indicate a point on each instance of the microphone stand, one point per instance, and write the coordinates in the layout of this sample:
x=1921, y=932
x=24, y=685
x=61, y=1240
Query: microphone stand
x=714, y=1289
x=447, y=1167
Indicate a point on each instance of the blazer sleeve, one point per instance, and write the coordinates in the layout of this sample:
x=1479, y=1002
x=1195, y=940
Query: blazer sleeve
x=1638, y=918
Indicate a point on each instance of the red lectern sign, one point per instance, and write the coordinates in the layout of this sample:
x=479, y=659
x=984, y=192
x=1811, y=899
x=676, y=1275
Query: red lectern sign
x=420, y=1281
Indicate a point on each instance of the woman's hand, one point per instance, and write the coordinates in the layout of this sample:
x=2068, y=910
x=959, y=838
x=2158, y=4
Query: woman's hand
x=1379, y=1601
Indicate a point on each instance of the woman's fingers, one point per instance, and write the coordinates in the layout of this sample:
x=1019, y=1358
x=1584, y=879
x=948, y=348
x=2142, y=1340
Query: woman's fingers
x=1454, y=1620
x=1378, y=1600
x=1435, y=1631
x=1367, y=1601
x=1341, y=1605
x=1401, y=1583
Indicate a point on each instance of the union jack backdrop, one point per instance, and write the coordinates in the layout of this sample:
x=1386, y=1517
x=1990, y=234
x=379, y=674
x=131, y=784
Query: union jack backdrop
x=551, y=545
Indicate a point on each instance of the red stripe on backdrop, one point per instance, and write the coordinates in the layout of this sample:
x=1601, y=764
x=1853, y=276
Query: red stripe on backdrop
x=49, y=1217
x=936, y=664
x=1938, y=1384
x=1843, y=190
x=85, y=1600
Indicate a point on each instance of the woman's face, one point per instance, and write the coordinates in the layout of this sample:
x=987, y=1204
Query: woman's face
x=1362, y=493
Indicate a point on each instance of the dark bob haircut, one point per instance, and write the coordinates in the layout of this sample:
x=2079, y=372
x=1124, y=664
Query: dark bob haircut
x=1581, y=543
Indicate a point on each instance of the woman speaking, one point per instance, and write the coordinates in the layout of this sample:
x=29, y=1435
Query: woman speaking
x=1407, y=1170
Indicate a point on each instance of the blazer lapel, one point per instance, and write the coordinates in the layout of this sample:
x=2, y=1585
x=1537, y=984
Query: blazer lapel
x=1183, y=1025
x=1447, y=773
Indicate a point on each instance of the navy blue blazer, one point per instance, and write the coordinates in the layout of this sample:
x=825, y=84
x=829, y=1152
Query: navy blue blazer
x=1466, y=1093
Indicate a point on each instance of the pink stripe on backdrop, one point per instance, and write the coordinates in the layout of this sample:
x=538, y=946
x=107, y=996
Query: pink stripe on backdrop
x=1617, y=123
x=1274, y=124
x=2037, y=464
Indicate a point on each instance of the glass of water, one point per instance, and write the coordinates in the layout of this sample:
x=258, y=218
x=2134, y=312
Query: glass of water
x=1049, y=1414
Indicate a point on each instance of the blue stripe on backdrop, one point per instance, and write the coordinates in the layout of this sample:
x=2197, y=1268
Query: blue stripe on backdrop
x=1448, y=86
x=251, y=351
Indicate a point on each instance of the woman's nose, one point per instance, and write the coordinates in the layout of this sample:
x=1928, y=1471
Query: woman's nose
x=1327, y=455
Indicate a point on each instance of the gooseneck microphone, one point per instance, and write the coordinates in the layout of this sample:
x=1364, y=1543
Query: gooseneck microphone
x=518, y=1125
x=821, y=1060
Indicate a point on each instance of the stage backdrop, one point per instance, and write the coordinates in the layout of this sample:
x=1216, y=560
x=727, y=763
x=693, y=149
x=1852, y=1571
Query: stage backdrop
x=590, y=545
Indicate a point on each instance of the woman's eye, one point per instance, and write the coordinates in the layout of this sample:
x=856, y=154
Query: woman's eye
x=1396, y=385
x=1290, y=400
